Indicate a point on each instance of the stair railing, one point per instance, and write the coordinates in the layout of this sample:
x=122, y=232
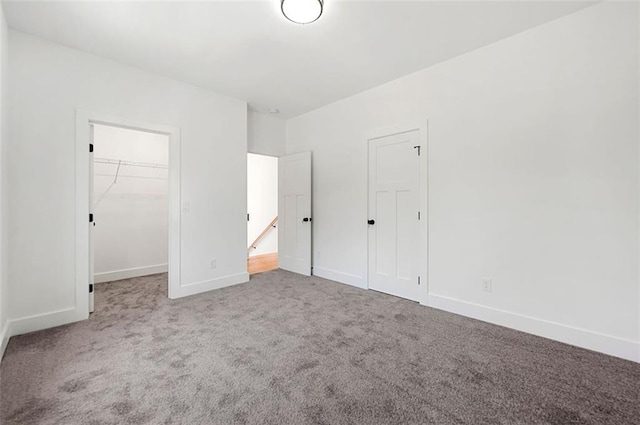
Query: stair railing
x=262, y=235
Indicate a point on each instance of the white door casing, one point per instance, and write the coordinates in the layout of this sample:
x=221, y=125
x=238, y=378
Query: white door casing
x=394, y=215
x=294, y=213
x=92, y=222
x=84, y=204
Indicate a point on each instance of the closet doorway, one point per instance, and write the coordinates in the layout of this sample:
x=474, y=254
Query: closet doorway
x=130, y=188
x=262, y=213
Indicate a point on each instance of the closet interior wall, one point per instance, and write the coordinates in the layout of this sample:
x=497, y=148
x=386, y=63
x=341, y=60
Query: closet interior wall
x=130, y=203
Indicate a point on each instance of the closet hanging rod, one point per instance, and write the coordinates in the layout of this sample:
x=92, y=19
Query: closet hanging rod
x=130, y=163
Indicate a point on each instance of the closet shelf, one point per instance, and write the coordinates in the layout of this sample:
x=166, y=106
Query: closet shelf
x=130, y=163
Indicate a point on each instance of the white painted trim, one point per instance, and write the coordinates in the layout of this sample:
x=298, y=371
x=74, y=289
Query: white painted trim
x=43, y=321
x=638, y=245
x=209, y=285
x=83, y=136
x=37, y=322
x=336, y=276
x=83, y=120
x=129, y=273
x=423, y=261
x=4, y=338
x=607, y=344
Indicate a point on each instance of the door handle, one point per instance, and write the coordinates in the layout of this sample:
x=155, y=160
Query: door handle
x=371, y=222
x=306, y=219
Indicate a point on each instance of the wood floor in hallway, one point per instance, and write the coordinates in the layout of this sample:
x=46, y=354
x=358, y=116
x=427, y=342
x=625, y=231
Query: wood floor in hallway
x=262, y=263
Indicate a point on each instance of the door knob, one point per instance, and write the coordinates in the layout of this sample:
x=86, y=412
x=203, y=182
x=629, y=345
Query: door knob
x=306, y=219
x=371, y=222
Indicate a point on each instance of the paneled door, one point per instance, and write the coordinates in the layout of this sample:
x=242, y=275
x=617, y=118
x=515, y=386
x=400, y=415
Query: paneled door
x=294, y=213
x=394, y=216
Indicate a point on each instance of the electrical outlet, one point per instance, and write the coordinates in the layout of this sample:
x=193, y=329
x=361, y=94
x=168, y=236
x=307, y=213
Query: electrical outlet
x=486, y=285
x=213, y=264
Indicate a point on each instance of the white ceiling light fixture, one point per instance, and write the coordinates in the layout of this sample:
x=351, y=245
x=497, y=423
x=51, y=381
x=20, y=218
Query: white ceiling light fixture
x=302, y=11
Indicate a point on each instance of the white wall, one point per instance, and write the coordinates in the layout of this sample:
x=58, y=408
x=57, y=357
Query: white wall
x=131, y=215
x=4, y=287
x=262, y=201
x=50, y=82
x=533, y=178
x=266, y=134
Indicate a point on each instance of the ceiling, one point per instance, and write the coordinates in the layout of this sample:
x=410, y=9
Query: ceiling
x=248, y=50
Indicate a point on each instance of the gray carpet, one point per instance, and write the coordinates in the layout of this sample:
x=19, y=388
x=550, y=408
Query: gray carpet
x=285, y=349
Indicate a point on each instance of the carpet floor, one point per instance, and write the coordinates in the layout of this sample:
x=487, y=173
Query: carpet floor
x=286, y=349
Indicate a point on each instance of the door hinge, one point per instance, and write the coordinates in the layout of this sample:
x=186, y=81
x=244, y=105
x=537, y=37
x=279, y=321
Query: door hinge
x=418, y=215
x=90, y=287
x=90, y=218
x=247, y=217
x=90, y=147
x=417, y=147
x=418, y=280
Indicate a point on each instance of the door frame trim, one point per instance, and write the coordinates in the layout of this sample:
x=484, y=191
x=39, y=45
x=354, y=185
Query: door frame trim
x=84, y=118
x=422, y=126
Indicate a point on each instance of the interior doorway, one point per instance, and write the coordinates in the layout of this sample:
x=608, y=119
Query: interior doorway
x=262, y=213
x=85, y=122
x=395, y=215
x=129, y=203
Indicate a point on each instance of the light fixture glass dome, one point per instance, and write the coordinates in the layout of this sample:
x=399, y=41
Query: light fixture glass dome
x=301, y=11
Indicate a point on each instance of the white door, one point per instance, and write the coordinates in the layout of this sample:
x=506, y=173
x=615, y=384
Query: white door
x=92, y=222
x=394, y=204
x=294, y=213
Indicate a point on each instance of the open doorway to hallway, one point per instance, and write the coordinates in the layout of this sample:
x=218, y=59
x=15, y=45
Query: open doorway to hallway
x=130, y=203
x=262, y=213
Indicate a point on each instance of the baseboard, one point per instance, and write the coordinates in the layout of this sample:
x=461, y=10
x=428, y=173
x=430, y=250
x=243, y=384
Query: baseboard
x=129, y=273
x=4, y=338
x=44, y=321
x=607, y=344
x=209, y=285
x=265, y=255
x=346, y=278
x=39, y=322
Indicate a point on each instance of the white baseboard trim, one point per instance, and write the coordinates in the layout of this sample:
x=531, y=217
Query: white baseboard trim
x=607, y=344
x=4, y=338
x=258, y=253
x=346, y=278
x=209, y=285
x=129, y=273
x=44, y=321
x=38, y=322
